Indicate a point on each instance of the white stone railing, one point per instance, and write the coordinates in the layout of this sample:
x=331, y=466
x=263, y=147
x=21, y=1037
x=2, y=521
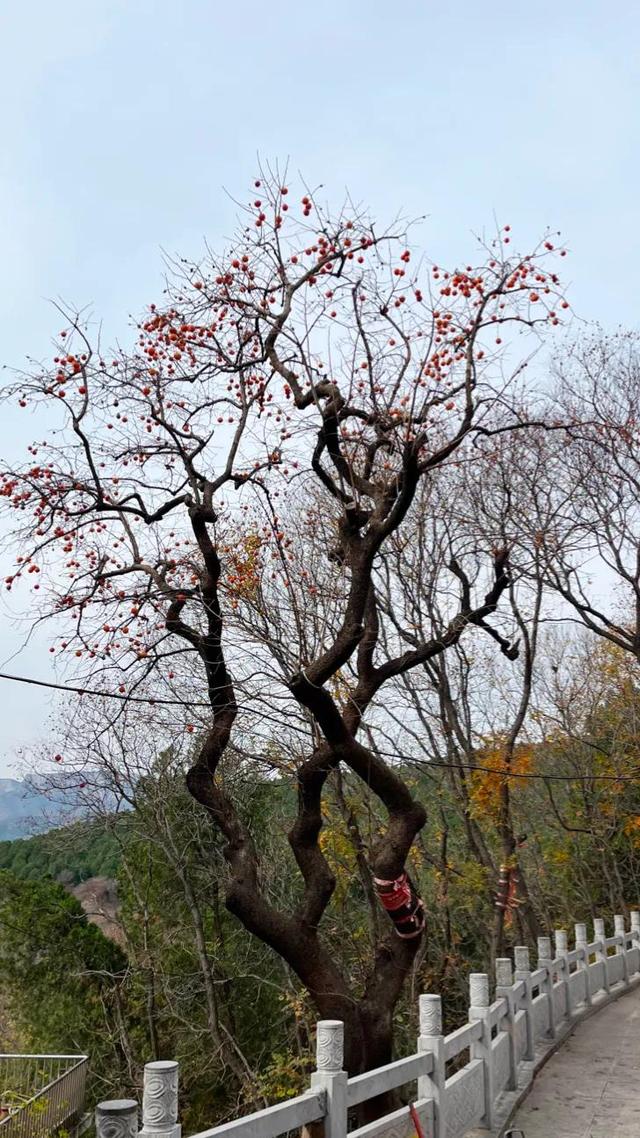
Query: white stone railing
x=40, y=1094
x=504, y=1043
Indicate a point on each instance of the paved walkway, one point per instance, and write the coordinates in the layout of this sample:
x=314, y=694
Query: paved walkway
x=591, y=1087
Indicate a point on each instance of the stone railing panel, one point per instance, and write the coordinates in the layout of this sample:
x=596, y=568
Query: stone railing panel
x=559, y=1001
x=541, y=1016
x=465, y=1103
x=577, y=989
x=500, y=1060
x=596, y=976
x=521, y=1034
x=615, y=969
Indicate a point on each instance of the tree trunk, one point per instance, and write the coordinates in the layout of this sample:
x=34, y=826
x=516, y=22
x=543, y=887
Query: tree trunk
x=221, y=1038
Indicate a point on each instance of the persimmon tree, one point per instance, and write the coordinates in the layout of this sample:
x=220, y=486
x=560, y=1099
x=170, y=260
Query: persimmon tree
x=214, y=504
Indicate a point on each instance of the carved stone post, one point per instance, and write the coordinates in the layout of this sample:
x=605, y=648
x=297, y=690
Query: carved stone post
x=480, y=1010
x=599, y=935
x=330, y=1077
x=504, y=991
x=160, y=1100
x=621, y=949
x=117, y=1118
x=562, y=952
x=544, y=961
x=523, y=973
x=431, y=1039
x=583, y=960
x=635, y=934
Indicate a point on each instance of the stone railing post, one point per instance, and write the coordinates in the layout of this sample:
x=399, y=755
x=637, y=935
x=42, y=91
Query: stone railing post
x=599, y=935
x=330, y=1077
x=504, y=991
x=431, y=1039
x=479, y=1009
x=523, y=972
x=117, y=1118
x=621, y=949
x=544, y=961
x=583, y=960
x=160, y=1100
x=635, y=933
x=562, y=951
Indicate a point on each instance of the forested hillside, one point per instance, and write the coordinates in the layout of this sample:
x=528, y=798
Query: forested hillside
x=69, y=855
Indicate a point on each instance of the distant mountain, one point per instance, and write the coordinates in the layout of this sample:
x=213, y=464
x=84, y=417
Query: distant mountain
x=24, y=811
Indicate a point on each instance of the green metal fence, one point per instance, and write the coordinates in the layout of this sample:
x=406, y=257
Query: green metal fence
x=40, y=1094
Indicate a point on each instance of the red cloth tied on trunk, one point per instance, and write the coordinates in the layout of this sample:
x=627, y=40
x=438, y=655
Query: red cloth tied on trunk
x=402, y=904
x=393, y=894
x=507, y=896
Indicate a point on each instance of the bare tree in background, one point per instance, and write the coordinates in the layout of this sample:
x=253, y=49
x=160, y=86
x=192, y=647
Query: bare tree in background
x=470, y=710
x=587, y=487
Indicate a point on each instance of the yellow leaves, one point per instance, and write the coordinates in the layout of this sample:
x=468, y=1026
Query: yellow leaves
x=468, y=891
x=340, y=855
x=243, y=577
x=620, y=672
x=632, y=830
x=335, y=844
x=340, y=690
x=286, y=1076
x=487, y=784
x=416, y=859
x=614, y=662
x=295, y=1001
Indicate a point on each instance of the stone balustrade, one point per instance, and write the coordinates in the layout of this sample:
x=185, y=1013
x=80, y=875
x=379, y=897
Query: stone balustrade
x=505, y=1041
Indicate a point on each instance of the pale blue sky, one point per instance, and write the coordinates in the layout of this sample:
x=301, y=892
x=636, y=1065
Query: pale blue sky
x=122, y=123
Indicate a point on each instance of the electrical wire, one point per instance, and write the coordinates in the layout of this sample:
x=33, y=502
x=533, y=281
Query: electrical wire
x=124, y=698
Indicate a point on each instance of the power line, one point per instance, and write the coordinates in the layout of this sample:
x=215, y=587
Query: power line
x=124, y=698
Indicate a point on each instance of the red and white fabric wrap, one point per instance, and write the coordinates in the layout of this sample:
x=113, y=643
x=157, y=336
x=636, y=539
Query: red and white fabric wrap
x=403, y=905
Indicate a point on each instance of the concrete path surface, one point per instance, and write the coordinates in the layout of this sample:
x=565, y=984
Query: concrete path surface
x=591, y=1087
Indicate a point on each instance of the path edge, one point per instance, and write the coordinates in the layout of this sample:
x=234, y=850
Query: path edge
x=509, y=1103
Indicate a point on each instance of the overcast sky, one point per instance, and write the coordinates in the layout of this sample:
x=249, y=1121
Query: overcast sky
x=124, y=123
